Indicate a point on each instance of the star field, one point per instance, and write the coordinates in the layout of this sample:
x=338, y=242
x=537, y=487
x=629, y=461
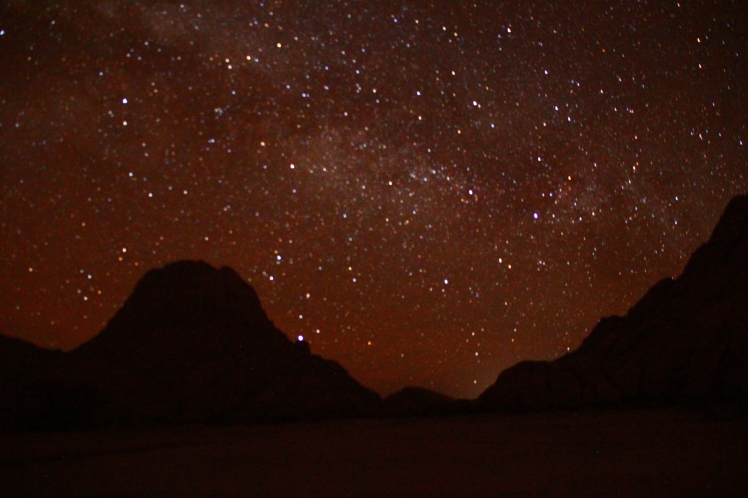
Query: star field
x=427, y=192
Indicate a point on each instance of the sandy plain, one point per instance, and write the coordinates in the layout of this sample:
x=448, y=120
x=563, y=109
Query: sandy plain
x=596, y=453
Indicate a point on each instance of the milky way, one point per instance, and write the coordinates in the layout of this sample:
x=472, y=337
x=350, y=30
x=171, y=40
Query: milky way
x=428, y=193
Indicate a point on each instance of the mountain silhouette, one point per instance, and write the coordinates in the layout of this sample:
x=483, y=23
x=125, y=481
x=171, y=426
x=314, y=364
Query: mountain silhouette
x=191, y=343
x=418, y=401
x=685, y=340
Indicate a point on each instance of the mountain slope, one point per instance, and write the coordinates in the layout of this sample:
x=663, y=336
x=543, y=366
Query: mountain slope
x=686, y=339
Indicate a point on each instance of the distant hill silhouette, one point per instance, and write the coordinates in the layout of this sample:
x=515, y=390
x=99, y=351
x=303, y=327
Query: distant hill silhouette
x=416, y=401
x=192, y=343
x=685, y=340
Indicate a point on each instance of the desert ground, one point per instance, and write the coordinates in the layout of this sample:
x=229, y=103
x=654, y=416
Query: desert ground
x=593, y=453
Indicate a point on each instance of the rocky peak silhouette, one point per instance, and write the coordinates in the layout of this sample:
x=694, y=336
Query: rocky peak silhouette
x=189, y=308
x=191, y=292
x=191, y=343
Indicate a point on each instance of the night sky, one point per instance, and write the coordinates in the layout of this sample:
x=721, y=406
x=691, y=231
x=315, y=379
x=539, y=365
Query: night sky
x=428, y=192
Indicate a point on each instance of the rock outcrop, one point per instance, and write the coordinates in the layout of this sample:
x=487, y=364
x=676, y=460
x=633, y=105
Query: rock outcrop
x=685, y=340
x=192, y=343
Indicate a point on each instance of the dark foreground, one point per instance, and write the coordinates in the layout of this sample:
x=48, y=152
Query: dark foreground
x=645, y=453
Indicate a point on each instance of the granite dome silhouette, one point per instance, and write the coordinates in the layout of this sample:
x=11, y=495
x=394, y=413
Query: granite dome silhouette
x=191, y=343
